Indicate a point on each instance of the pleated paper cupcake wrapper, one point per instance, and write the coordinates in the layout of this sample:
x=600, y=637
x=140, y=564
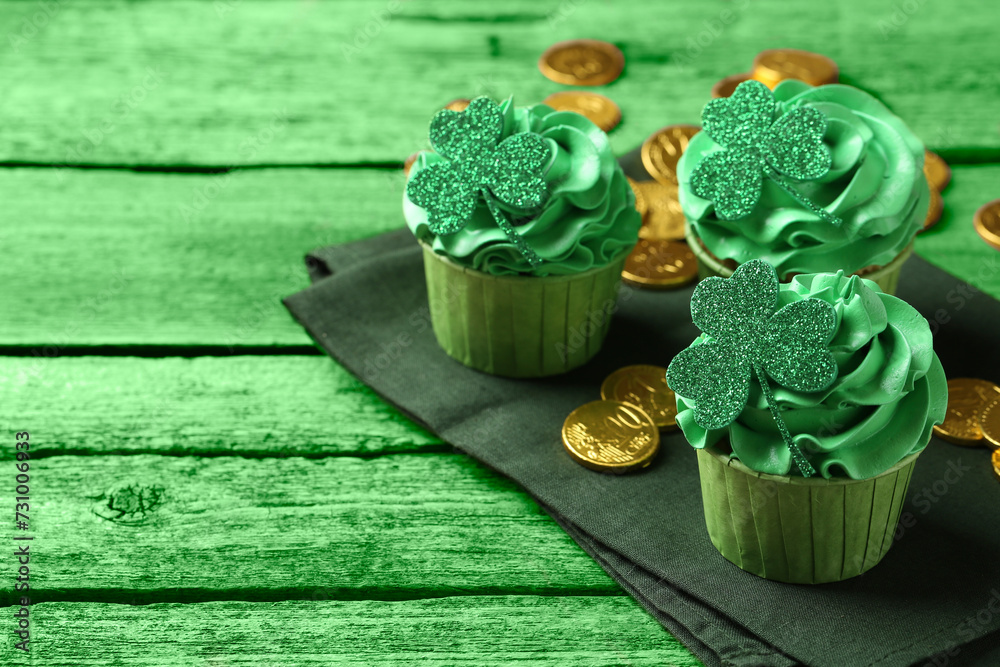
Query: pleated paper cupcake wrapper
x=887, y=277
x=520, y=326
x=799, y=530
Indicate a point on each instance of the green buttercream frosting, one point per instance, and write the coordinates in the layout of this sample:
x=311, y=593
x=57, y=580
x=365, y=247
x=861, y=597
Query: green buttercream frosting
x=890, y=390
x=588, y=219
x=876, y=186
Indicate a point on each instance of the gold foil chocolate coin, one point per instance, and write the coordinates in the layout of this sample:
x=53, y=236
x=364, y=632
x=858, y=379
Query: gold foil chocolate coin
x=727, y=86
x=644, y=387
x=457, y=105
x=934, y=211
x=662, y=150
x=773, y=66
x=582, y=62
x=996, y=463
x=987, y=222
x=989, y=421
x=936, y=170
x=664, y=219
x=610, y=436
x=967, y=397
x=601, y=111
x=658, y=264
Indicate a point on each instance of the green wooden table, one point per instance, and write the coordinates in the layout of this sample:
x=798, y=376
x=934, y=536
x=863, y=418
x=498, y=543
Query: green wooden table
x=206, y=488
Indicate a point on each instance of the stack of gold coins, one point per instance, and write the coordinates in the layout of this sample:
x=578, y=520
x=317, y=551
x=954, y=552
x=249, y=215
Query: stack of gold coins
x=584, y=62
x=661, y=259
x=645, y=387
x=973, y=416
x=938, y=176
x=773, y=66
x=967, y=398
x=621, y=432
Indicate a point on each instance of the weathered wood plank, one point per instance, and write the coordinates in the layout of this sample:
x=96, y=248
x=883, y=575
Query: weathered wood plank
x=100, y=257
x=241, y=405
x=585, y=631
x=98, y=265
x=181, y=529
x=270, y=82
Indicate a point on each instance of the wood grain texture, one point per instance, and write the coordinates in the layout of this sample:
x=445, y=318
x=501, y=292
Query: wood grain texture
x=181, y=529
x=242, y=405
x=475, y=631
x=270, y=82
x=110, y=260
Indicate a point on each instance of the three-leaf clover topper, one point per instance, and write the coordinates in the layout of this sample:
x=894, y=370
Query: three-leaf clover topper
x=745, y=337
x=478, y=164
x=756, y=145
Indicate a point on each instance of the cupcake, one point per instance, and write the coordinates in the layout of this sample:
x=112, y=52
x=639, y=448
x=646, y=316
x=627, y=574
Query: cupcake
x=808, y=403
x=525, y=219
x=809, y=179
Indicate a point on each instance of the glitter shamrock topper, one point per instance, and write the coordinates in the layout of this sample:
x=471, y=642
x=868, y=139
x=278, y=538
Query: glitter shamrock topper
x=478, y=165
x=745, y=337
x=786, y=150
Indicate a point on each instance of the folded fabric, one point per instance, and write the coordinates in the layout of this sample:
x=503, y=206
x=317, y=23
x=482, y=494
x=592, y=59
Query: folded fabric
x=935, y=596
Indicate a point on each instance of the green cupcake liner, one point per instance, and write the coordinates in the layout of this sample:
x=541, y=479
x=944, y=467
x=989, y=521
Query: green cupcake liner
x=800, y=530
x=520, y=326
x=887, y=277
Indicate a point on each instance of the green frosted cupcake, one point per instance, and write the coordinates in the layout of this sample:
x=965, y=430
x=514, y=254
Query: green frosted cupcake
x=839, y=183
x=526, y=219
x=808, y=404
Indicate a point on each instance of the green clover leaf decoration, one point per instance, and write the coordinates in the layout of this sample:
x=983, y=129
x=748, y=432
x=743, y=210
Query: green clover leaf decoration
x=478, y=164
x=757, y=146
x=747, y=338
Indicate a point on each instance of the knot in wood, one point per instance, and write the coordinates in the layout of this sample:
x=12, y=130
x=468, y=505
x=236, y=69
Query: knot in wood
x=130, y=504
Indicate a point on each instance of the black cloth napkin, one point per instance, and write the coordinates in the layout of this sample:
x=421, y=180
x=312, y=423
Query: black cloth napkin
x=934, y=599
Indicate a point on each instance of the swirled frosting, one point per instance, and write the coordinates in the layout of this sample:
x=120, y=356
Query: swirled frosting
x=890, y=390
x=876, y=186
x=588, y=219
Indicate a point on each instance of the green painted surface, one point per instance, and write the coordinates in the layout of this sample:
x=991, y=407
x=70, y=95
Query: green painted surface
x=181, y=82
x=135, y=528
x=279, y=480
x=469, y=630
x=252, y=406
